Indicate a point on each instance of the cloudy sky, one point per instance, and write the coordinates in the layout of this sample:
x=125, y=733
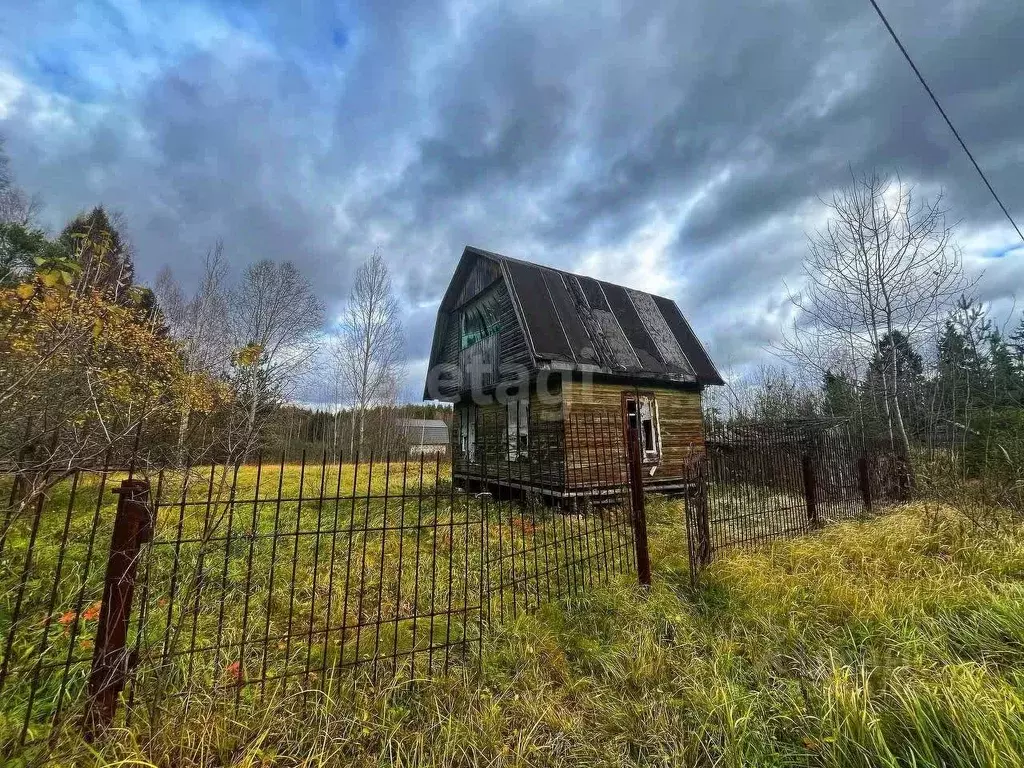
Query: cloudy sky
x=677, y=147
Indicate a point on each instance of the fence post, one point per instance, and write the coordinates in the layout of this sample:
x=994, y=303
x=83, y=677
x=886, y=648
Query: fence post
x=111, y=662
x=636, y=490
x=697, y=523
x=864, y=475
x=907, y=481
x=810, y=491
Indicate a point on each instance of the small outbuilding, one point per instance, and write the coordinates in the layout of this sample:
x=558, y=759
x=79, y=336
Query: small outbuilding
x=425, y=436
x=548, y=369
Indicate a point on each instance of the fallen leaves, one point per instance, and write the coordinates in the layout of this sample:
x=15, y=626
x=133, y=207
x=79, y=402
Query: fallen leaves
x=234, y=672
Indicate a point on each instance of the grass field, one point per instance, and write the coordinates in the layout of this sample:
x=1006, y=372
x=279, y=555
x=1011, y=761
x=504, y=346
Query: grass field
x=898, y=641
x=279, y=577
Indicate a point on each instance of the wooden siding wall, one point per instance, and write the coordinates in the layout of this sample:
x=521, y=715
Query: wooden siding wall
x=478, y=363
x=513, y=353
x=543, y=468
x=679, y=419
x=449, y=382
x=483, y=273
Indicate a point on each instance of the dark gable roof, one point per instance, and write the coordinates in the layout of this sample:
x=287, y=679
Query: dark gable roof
x=574, y=321
x=424, y=431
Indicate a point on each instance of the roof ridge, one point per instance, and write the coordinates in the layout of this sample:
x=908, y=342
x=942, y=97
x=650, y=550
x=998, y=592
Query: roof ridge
x=538, y=265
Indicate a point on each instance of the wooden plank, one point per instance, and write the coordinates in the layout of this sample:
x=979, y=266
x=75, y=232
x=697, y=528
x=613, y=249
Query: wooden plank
x=680, y=423
x=480, y=277
x=508, y=348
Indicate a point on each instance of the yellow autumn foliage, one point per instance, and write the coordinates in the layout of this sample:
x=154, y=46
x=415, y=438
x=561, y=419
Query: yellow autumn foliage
x=88, y=364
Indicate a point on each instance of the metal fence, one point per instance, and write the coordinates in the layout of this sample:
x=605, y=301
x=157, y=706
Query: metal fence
x=760, y=482
x=233, y=580
x=125, y=587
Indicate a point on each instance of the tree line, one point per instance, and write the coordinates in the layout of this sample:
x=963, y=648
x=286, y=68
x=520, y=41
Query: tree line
x=96, y=367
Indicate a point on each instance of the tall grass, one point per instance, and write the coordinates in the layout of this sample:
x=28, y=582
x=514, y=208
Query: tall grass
x=894, y=642
x=276, y=578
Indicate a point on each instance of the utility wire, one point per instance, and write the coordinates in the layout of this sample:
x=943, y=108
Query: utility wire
x=920, y=77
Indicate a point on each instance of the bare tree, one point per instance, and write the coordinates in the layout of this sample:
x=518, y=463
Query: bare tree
x=200, y=325
x=368, y=348
x=768, y=393
x=16, y=206
x=275, y=319
x=885, y=263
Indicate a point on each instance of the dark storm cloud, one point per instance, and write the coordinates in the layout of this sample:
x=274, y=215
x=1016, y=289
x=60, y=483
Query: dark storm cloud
x=228, y=167
x=541, y=130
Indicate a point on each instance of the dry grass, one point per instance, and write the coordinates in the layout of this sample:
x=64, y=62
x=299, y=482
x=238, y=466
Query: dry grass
x=893, y=642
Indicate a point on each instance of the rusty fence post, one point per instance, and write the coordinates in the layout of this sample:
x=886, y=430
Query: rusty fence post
x=864, y=476
x=810, y=491
x=697, y=523
x=636, y=495
x=111, y=662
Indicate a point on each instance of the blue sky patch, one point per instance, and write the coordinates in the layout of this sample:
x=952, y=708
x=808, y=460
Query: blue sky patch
x=339, y=36
x=998, y=253
x=57, y=71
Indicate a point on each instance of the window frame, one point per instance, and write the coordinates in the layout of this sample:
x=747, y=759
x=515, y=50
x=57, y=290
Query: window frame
x=649, y=454
x=467, y=431
x=517, y=424
x=489, y=326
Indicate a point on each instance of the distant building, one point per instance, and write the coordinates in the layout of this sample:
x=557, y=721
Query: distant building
x=425, y=436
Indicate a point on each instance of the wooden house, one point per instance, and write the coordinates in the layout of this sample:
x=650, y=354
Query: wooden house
x=547, y=369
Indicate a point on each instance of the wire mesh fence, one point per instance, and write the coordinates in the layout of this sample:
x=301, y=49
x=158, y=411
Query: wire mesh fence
x=53, y=552
x=760, y=482
x=285, y=574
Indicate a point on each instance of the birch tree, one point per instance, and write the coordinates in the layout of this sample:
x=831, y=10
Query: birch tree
x=16, y=206
x=369, y=344
x=200, y=325
x=275, y=319
x=885, y=263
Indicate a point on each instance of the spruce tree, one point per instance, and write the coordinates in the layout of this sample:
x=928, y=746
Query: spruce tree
x=103, y=253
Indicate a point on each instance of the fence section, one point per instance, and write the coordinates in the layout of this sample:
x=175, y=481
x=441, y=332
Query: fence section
x=54, y=551
x=765, y=481
x=278, y=576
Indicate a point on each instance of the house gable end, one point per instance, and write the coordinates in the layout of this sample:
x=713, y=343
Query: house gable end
x=476, y=274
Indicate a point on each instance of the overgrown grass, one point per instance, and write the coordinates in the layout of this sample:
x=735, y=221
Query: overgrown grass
x=898, y=641
x=256, y=578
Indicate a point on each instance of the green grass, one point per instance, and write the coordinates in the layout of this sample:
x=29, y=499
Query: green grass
x=898, y=641
x=250, y=588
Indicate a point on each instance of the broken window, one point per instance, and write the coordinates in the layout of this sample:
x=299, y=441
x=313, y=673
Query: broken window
x=518, y=428
x=642, y=415
x=467, y=431
x=479, y=319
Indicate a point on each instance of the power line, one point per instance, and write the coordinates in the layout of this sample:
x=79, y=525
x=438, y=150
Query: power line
x=920, y=77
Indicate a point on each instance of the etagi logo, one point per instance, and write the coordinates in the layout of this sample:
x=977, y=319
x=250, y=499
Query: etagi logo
x=476, y=383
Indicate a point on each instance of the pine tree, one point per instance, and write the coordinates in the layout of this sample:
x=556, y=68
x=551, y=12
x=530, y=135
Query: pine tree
x=1016, y=345
x=963, y=377
x=1004, y=375
x=20, y=246
x=840, y=395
